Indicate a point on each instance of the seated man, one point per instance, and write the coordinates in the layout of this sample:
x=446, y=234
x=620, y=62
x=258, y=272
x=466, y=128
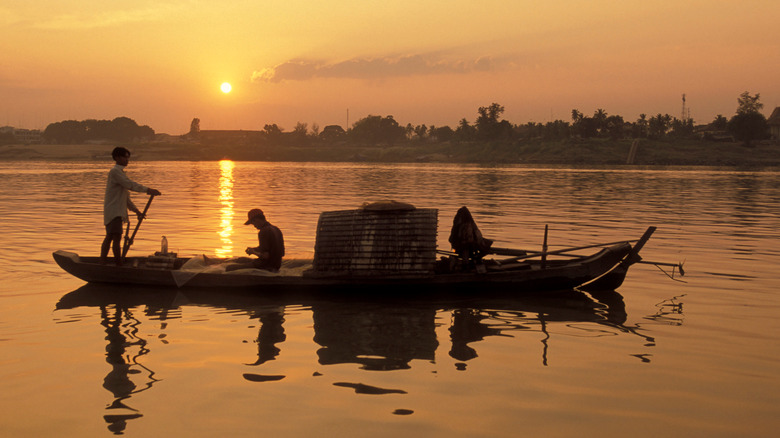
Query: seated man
x=271, y=248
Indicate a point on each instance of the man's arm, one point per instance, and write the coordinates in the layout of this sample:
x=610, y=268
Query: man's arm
x=133, y=208
x=262, y=255
x=261, y=251
x=122, y=179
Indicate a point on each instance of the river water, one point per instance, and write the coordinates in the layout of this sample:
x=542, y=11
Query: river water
x=657, y=356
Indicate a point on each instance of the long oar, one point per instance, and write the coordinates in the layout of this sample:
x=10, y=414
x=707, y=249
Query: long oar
x=523, y=254
x=129, y=241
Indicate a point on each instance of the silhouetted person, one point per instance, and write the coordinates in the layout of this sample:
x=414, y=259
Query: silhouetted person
x=466, y=239
x=270, y=250
x=117, y=201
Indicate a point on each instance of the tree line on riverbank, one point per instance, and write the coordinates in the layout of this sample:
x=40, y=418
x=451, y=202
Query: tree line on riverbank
x=747, y=125
x=119, y=130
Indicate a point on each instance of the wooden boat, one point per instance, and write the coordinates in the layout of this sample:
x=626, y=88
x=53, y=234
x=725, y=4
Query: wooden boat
x=606, y=269
x=389, y=249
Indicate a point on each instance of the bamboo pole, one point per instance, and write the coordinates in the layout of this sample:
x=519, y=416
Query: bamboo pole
x=129, y=241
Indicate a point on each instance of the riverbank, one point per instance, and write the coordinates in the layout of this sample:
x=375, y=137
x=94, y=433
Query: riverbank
x=596, y=152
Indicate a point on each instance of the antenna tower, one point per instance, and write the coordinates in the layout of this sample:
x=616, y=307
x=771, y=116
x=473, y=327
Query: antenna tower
x=683, y=109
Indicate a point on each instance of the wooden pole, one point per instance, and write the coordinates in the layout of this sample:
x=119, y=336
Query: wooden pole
x=129, y=241
x=633, y=256
x=544, y=248
x=522, y=254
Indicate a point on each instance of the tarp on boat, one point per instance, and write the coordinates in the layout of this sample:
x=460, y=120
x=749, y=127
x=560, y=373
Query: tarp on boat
x=202, y=264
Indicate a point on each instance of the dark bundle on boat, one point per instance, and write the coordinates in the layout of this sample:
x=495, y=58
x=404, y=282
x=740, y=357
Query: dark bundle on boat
x=384, y=238
x=466, y=239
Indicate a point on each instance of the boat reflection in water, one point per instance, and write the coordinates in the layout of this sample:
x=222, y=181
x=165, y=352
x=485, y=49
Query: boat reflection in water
x=377, y=334
x=128, y=375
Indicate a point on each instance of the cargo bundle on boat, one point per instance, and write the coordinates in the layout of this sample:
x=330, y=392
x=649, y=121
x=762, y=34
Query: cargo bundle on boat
x=377, y=240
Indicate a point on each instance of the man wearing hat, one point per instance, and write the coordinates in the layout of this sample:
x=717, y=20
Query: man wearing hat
x=271, y=249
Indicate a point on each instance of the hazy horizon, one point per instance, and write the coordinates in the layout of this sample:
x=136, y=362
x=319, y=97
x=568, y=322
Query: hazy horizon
x=431, y=63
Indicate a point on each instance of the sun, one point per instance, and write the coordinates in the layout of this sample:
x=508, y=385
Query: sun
x=226, y=87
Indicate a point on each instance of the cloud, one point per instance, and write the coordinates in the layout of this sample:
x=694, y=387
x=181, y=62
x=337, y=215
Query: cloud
x=374, y=68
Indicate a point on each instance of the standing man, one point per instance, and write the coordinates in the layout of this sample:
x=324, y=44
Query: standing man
x=271, y=249
x=116, y=202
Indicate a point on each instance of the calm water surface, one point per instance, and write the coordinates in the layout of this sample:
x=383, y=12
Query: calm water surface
x=657, y=356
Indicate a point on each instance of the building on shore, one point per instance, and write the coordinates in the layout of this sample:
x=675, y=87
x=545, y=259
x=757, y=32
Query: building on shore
x=774, y=124
x=23, y=136
x=227, y=136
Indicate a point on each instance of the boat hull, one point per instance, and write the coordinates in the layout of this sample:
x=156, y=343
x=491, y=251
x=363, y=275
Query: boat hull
x=607, y=266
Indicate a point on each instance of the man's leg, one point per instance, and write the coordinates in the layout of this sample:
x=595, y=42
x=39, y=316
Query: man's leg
x=116, y=245
x=237, y=266
x=104, y=248
x=113, y=239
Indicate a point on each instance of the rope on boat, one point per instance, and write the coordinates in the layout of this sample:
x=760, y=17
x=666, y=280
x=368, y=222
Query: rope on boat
x=674, y=267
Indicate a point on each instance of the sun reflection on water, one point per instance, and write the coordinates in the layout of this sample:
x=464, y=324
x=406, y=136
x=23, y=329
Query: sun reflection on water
x=226, y=211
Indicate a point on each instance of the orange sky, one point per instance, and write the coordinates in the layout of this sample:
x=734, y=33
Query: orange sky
x=161, y=62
